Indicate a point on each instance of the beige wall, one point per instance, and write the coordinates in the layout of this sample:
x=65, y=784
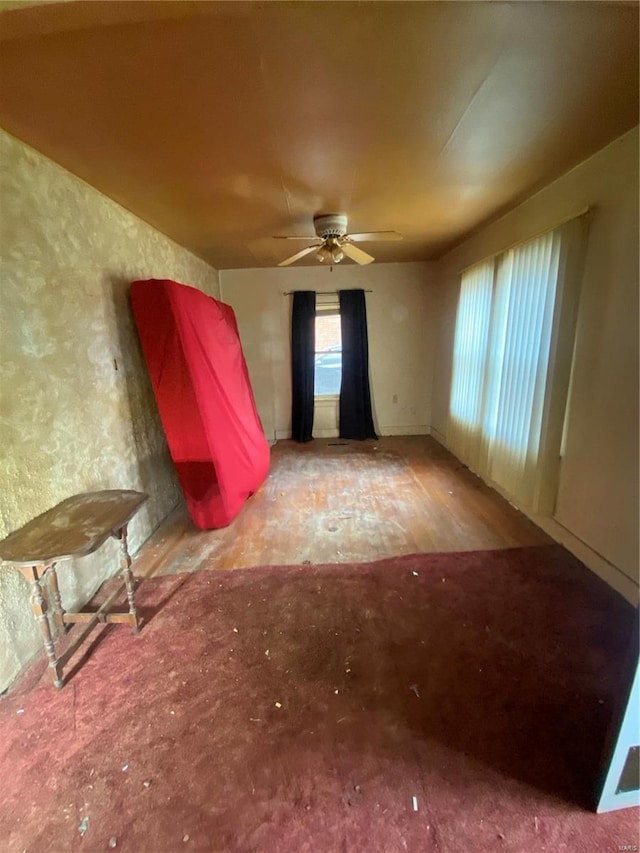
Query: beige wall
x=401, y=326
x=597, y=509
x=71, y=422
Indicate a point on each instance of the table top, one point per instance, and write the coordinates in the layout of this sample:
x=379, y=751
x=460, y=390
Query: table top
x=74, y=528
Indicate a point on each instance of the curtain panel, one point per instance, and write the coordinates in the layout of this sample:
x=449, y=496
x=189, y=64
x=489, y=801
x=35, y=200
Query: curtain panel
x=356, y=419
x=303, y=344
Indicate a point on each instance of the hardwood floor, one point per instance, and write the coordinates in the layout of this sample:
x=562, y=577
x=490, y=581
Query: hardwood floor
x=333, y=501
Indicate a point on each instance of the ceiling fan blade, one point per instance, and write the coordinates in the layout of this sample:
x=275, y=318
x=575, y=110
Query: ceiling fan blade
x=296, y=237
x=356, y=254
x=298, y=255
x=375, y=235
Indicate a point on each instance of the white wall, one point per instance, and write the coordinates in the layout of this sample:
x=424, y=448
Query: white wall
x=401, y=326
x=597, y=509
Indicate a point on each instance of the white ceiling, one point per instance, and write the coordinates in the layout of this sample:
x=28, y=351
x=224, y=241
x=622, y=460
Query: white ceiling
x=223, y=123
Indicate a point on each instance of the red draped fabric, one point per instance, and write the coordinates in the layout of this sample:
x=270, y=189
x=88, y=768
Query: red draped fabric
x=204, y=396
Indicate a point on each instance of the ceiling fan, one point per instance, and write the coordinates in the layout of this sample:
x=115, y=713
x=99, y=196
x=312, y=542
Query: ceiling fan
x=332, y=242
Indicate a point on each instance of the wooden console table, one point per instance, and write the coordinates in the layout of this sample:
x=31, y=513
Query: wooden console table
x=74, y=528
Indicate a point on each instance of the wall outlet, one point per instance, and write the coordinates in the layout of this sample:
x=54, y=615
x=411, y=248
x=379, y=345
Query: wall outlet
x=394, y=399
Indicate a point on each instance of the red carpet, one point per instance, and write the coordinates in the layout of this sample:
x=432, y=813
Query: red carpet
x=480, y=684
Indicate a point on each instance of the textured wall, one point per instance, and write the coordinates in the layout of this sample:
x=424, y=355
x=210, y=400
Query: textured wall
x=71, y=421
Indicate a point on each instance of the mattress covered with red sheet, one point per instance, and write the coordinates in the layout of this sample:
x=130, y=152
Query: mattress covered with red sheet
x=202, y=388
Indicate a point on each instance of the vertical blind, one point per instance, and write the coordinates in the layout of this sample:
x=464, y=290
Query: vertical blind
x=470, y=355
x=513, y=347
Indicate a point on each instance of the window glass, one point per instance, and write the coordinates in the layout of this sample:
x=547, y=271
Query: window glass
x=328, y=355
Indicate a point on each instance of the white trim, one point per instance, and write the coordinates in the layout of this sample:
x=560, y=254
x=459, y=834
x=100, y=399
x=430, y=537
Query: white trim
x=326, y=433
x=420, y=429
x=599, y=565
x=440, y=437
x=613, y=576
x=626, y=739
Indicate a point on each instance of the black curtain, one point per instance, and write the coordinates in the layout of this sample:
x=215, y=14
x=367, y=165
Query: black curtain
x=303, y=344
x=356, y=420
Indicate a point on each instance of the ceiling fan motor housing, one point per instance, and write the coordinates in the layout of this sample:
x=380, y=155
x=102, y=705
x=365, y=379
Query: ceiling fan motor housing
x=330, y=225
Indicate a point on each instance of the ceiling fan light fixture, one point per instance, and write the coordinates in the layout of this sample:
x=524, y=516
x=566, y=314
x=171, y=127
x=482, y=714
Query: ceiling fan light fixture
x=333, y=246
x=333, y=243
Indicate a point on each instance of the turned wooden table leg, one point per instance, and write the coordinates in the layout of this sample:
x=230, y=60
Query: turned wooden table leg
x=58, y=609
x=127, y=575
x=39, y=607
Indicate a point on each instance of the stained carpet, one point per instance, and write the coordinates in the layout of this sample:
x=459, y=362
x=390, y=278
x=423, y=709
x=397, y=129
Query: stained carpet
x=442, y=702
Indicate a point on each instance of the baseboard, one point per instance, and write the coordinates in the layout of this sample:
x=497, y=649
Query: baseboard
x=420, y=429
x=599, y=565
x=626, y=586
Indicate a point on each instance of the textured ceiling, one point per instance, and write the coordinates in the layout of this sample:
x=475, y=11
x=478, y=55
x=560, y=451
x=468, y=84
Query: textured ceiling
x=224, y=123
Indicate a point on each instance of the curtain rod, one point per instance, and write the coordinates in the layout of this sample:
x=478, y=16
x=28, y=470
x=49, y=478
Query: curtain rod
x=321, y=292
x=584, y=212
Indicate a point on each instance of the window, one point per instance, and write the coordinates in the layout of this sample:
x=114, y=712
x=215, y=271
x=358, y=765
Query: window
x=328, y=354
x=513, y=346
x=469, y=360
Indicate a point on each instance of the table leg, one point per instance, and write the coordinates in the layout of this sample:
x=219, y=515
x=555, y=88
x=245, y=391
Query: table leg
x=58, y=609
x=127, y=575
x=39, y=607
